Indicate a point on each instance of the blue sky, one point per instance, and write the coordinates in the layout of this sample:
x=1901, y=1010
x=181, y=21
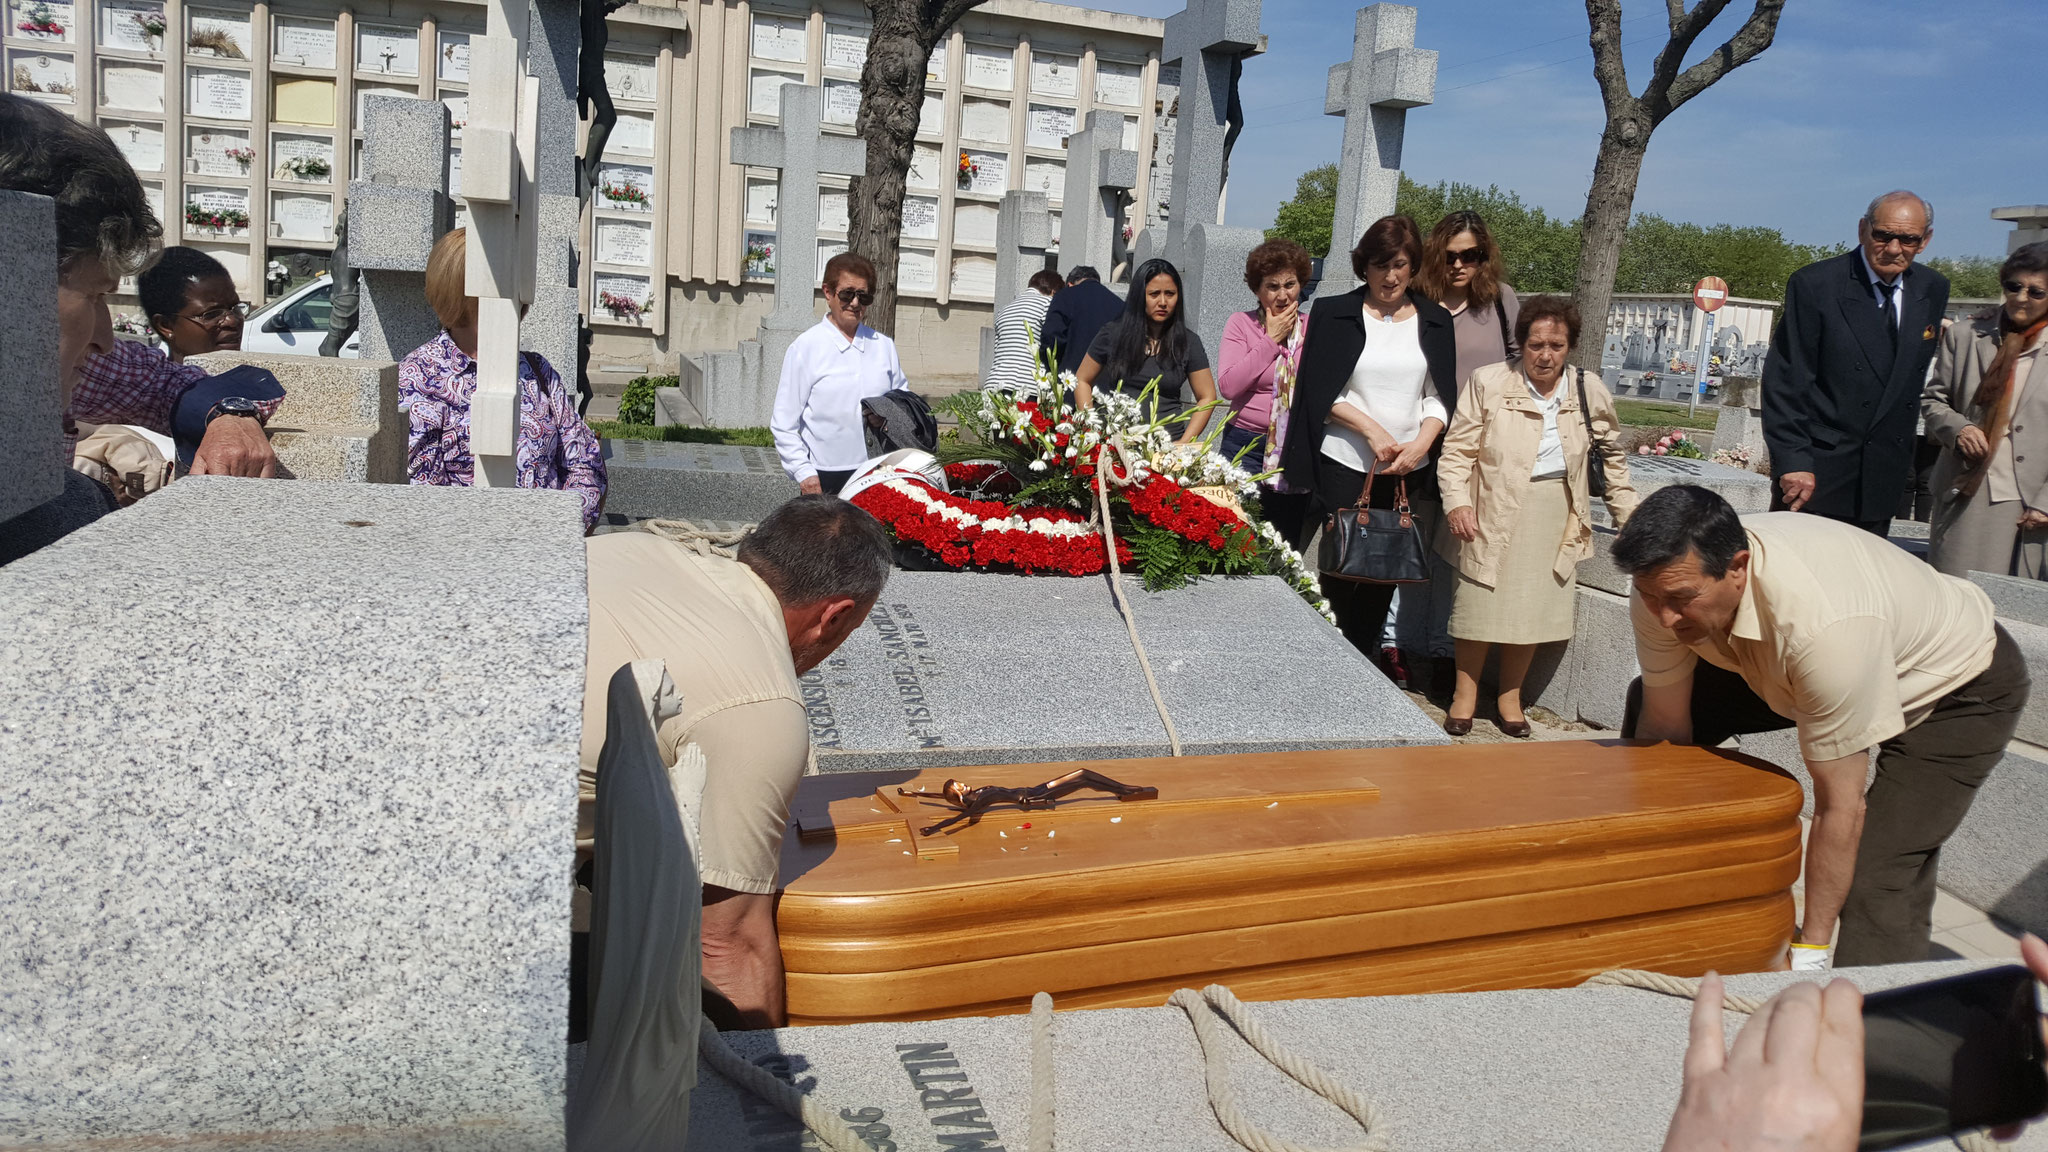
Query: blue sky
x=1855, y=97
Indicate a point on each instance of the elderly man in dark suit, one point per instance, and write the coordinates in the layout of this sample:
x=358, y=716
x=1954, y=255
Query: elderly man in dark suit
x=1076, y=314
x=1846, y=363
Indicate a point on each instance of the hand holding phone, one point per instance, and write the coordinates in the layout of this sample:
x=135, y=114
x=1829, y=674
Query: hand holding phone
x=1793, y=1081
x=1951, y=1055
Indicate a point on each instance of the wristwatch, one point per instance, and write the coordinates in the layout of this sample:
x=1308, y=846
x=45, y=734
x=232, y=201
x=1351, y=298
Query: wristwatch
x=234, y=406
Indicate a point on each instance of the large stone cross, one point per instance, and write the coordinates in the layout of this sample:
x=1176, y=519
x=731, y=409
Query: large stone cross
x=802, y=152
x=1023, y=233
x=1100, y=175
x=1386, y=76
x=1207, y=37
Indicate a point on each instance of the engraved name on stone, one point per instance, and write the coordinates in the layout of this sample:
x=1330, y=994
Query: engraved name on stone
x=904, y=646
x=950, y=1104
x=771, y=1128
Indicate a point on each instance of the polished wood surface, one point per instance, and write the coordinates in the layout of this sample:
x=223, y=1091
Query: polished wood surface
x=1353, y=872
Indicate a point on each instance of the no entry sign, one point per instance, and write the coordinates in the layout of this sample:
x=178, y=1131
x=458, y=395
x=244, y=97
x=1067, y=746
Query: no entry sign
x=1710, y=293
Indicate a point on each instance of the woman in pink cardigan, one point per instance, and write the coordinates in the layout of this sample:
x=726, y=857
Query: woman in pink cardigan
x=1261, y=352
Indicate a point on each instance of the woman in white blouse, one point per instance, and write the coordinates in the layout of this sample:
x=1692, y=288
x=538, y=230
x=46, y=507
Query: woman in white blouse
x=1376, y=388
x=830, y=369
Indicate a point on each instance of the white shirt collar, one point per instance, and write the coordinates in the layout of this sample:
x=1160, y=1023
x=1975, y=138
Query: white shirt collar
x=863, y=336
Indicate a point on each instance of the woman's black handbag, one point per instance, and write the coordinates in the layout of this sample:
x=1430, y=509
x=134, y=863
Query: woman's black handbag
x=1596, y=457
x=1375, y=545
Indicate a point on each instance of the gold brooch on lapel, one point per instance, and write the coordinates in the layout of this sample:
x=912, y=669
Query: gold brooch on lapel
x=1929, y=334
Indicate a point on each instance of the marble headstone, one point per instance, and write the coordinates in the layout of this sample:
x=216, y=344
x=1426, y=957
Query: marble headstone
x=31, y=418
x=962, y=668
x=288, y=850
x=1386, y=76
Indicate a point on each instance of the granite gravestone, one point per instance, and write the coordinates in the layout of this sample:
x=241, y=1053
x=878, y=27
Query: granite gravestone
x=962, y=668
x=1209, y=39
x=1386, y=76
x=1744, y=491
x=308, y=886
x=1023, y=236
x=1100, y=175
x=695, y=482
x=31, y=414
x=737, y=389
x=398, y=208
x=1739, y=422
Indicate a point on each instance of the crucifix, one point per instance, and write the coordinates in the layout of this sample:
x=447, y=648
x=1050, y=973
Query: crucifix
x=1386, y=76
x=801, y=151
x=1210, y=39
x=389, y=56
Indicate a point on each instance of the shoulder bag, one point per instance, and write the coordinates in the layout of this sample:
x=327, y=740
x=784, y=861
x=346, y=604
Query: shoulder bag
x=1596, y=456
x=1375, y=545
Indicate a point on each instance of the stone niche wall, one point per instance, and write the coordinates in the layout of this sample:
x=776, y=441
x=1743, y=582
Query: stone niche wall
x=940, y=344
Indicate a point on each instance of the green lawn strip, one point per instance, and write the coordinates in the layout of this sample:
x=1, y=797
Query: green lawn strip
x=1654, y=414
x=679, y=434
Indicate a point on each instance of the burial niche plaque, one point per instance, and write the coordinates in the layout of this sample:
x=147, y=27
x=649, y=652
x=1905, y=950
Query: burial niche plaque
x=628, y=242
x=217, y=93
x=387, y=51
x=303, y=42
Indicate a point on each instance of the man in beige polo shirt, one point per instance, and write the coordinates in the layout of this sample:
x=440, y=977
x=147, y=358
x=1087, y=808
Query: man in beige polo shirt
x=735, y=636
x=1784, y=620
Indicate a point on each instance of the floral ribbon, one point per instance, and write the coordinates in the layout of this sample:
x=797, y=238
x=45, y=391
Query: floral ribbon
x=1284, y=370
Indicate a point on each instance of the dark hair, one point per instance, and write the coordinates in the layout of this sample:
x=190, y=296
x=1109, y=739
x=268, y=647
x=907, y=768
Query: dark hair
x=1083, y=272
x=1045, y=282
x=101, y=211
x=1547, y=307
x=1129, y=331
x=850, y=263
x=817, y=548
x=1277, y=255
x=1389, y=236
x=2026, y=258
x=161, y=289
x=1434, y=277
x=1675, y=521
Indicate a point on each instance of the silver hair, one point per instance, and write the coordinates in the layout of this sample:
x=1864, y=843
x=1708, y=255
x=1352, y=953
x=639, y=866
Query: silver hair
x=1926, y=209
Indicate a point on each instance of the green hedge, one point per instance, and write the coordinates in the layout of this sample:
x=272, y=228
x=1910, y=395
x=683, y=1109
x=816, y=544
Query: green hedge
x=637, y=405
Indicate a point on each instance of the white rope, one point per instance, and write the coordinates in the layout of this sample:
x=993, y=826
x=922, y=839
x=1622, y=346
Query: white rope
x=1103, y=463
x=835, y=1133
x=702, y=541
x=1217, y=1074
x=1039, y=1137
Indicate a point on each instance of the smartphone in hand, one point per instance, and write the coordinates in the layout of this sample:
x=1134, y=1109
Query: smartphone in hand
x=1952, y=1055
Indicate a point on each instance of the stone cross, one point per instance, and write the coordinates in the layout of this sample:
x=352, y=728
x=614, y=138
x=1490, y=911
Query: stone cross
x=1023, y=233
x=398, y=207
x=1100, y=175
x=802, y=151
x=1386, y=76
x=1207, y=37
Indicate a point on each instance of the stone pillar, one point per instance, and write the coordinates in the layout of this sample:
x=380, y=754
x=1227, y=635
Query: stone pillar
x=1100, y=175
x=31, y=413
x=1386, y=76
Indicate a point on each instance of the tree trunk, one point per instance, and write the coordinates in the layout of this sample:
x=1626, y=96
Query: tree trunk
x=1605, y=226
x=891, y=100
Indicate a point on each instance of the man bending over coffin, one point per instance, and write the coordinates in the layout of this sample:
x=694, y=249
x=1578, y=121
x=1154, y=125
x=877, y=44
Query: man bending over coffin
x=1783, y=620
x=735, y=636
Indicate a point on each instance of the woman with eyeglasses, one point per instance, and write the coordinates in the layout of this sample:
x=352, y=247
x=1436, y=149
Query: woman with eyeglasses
x=1987, y=406
x=192, y=304
x=830, y=369
x=1152, y=341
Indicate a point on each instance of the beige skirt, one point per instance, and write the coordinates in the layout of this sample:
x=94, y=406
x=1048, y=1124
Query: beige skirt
x=1527, y=604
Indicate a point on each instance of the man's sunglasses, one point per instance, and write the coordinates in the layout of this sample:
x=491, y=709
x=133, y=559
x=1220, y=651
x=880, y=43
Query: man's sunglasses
x=1902, y=239
x=1472, y=256
x=855, y=296
x=215, y=317
x=2030, y=291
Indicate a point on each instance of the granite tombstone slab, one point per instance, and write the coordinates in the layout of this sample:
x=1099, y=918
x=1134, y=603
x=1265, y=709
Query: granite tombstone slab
x=291, y=866
x=961, y=668
x=697, y=482
x=1745, y=491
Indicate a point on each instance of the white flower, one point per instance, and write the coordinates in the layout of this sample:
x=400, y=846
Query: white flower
x=1038, y=465
x=1072, y=452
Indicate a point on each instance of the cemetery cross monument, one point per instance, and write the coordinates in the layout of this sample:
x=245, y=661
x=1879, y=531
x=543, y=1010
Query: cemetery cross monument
x=1208, y=38
x=1100, y=175
x=1386, y=76
x=1023, y=235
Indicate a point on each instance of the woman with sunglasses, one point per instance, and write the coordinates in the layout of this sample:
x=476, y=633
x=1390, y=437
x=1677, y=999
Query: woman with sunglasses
x=1987, y=406
x=828, y=371
x=192, y=304
x=1152, y=341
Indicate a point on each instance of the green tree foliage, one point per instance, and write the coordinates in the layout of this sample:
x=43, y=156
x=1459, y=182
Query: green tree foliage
x=1307, y=218
x=1660, y=255
x=1970, y=277
x=1540, y=254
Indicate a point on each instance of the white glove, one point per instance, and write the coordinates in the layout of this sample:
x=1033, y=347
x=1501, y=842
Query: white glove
x=1812, y=957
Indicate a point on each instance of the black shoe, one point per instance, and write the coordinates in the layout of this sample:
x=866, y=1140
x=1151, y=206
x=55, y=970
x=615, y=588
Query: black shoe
x=1519, y=729
x=1457, y=726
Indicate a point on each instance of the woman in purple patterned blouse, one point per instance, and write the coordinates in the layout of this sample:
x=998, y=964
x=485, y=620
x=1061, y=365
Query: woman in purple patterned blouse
x=556, y=449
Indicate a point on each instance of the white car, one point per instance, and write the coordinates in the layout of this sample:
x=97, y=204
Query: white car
x=296, y=323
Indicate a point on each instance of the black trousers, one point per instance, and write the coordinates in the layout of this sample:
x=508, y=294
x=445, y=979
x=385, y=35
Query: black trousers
x=1927, y=777
x=1874, y=527
x=1361, y=609
x=832, y=482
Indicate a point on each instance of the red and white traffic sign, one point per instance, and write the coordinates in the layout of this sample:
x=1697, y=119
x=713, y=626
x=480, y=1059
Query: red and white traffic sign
x=1710, y=293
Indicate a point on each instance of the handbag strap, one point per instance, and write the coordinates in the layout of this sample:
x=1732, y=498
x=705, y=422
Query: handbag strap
x=1586, y=414
x=1500, y=310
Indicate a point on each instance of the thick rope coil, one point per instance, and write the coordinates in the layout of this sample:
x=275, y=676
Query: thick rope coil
x=702, y=541
x=1972, y=1141
x=834, y=1133
x=1039, y=1134
x=1106, y=458
x=1217, y=1074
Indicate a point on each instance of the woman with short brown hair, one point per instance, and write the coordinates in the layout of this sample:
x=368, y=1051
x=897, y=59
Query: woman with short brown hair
x=1260, y=359
x=820, y=432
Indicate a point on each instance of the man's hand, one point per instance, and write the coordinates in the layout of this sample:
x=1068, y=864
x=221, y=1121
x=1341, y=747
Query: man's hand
x=1797, y=488
x=809, y=486
x=1463, y=524
x=1972, y=444
x=235, y=446
x=1794, y=1080
x=742, y=955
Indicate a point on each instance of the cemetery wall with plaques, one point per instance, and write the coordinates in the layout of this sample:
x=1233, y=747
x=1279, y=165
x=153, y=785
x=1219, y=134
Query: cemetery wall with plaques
x=245, y=123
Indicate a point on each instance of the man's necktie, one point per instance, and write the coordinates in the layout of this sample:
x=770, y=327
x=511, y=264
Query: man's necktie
x=1891, y=308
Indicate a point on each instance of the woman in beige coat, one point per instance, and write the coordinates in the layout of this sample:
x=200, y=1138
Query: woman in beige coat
x=1514, y=479
x=1987, y=406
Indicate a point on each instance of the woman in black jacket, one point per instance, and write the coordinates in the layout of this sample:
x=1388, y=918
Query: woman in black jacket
x=1377, y=386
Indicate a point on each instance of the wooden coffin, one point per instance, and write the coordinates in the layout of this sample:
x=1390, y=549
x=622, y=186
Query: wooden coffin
x=1301, y=874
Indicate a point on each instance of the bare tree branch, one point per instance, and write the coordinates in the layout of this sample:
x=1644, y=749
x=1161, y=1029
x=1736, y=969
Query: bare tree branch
x=946, y=13
x=1684, y=31
x=1674, y=13
x=1604, y=17
x=1756, y=35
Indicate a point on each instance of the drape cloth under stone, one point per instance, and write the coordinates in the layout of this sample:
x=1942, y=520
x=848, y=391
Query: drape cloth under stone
x=645, y=998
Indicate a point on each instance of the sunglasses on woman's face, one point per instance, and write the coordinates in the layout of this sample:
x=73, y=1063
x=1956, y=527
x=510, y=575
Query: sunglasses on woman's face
x=856, y=296
x=1472, y=256
x=2030, y=291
